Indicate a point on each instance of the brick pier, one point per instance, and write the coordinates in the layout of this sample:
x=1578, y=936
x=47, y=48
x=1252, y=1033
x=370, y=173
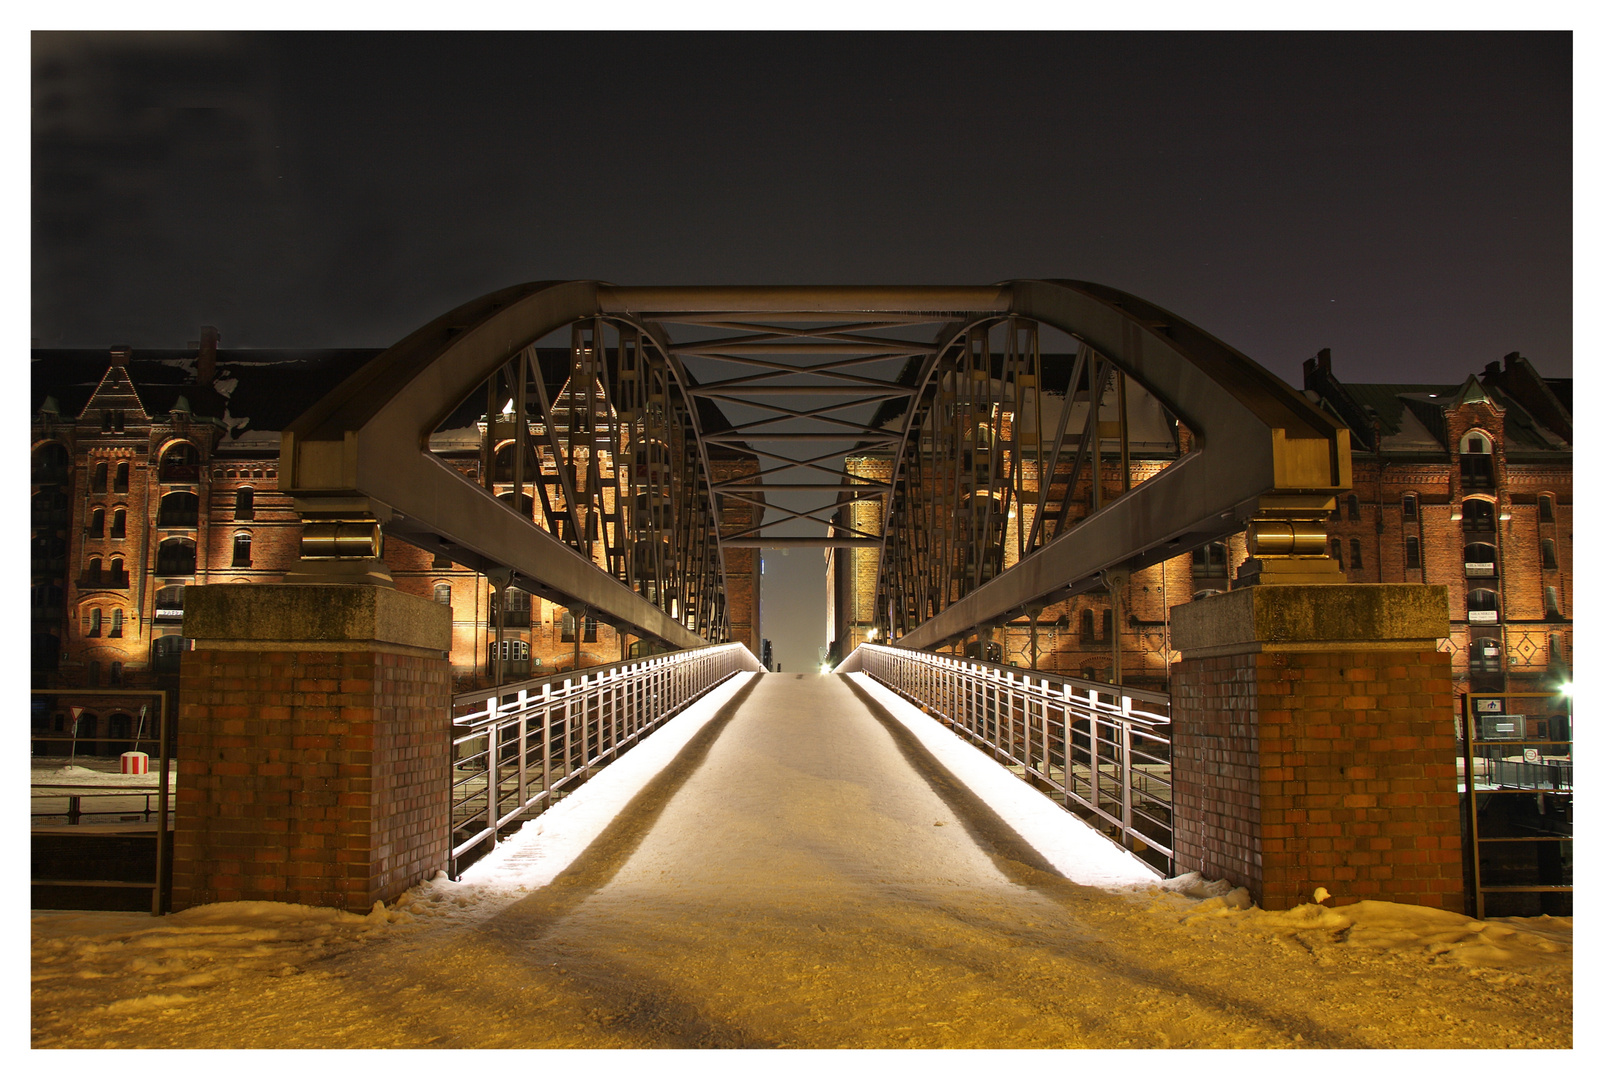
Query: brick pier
x=1314, y=744
x=313, y=745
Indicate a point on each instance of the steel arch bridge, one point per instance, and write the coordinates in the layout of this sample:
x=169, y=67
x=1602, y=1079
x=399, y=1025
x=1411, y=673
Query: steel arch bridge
x=627, y=438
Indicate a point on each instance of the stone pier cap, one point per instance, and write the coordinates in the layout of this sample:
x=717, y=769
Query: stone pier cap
x=346, y=617
x=1303, y=618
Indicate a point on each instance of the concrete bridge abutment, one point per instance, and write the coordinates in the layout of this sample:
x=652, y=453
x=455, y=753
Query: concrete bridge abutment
x=1314, y=744
x=313, y=744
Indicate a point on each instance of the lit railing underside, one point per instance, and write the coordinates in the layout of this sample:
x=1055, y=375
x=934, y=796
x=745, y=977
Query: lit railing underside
x=516, y=749
x=1103, y=751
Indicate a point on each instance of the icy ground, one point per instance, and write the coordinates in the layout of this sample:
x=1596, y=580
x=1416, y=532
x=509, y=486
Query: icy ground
x=796, y=873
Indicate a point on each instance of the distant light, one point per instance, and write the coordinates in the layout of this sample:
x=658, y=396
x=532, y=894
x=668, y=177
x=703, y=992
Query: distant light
x=824, y=669
x=1567, y=688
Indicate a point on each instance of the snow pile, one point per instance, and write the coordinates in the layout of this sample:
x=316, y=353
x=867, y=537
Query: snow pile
x=116, y=964
x=1076, y=850
x=78, y=776
x=1489, y=948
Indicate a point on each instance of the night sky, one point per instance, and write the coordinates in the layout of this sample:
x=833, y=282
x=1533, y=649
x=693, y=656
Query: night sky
x=1403, y=199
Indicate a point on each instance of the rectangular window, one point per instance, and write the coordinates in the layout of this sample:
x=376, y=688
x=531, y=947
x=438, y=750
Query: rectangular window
x=1551, y=602
x=1412, y=552
x=242, y=550
x=590, y=628
x=1353, y=508
x=1335, y=546
x=1550, y=557
x=1355, y=557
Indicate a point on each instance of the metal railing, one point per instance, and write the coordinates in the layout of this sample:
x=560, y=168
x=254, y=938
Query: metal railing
x=1517, y=776
x=74, y=702
x=1103, y=750
x=515, y=748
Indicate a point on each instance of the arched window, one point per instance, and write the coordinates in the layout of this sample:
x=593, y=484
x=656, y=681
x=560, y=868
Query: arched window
x=1411, y=508
x=119, y=524
x=1551, y=603
x=176, y=557
x=442, y=594
x=116, y=623
x=180, y=509
x=166, y=653
x=117, y=578
x=244, y=505
x=1478, y=515
x=92, y=572
x=1481, y=560
x=180, y=464
x=92, y=624
x=505, y=456
x=1545, y=508
x=1353, y=507
x=1486, y=658
x=120, y=478
x=1476, y=460
x=97, y=523
x=1356, y=560
x=1482, y=605
x=1088, y=627
x=170, y=603
x=97, y=483
x=114, y=675
x=242, y=549
x=1550, y=556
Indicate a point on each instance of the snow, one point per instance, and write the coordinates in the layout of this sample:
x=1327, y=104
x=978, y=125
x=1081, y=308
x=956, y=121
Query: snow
x=791, y=879
x=1081, y=854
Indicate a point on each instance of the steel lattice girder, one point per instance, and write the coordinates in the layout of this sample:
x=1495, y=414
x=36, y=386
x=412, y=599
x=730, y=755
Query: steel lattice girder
x=364, y=447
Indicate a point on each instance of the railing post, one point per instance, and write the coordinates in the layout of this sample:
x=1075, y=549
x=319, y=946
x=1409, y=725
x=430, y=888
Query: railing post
x=492, y=768
x=1125, y=767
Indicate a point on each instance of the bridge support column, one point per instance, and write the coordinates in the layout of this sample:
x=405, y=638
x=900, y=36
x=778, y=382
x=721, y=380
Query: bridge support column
x=1314, y=744
x=313, y=744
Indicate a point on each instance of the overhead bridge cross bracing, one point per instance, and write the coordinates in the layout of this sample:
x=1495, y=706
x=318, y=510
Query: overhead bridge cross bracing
x=626, y=439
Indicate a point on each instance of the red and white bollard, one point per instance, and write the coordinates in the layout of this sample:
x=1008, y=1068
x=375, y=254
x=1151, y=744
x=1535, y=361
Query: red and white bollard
x=135, y=763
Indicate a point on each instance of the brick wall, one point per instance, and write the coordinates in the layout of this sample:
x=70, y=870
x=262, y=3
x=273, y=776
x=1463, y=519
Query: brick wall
x=1296, y=770
x=310, y=777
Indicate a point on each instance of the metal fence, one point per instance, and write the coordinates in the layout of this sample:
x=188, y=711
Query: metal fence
x=1517, y=775
x=1103, y=750
x=66, y=727
x=516, y=748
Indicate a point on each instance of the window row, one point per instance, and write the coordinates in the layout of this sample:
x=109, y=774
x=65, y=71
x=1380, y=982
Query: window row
x=95, y=621
x=1477, y=514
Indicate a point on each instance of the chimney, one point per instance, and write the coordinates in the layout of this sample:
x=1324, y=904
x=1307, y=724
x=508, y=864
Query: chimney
x=206, y=359
x=1492, y=370
x=1319, y=364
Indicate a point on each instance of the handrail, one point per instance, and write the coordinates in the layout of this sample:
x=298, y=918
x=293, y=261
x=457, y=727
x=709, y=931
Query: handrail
x=1104, y=750
x=515, y=748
